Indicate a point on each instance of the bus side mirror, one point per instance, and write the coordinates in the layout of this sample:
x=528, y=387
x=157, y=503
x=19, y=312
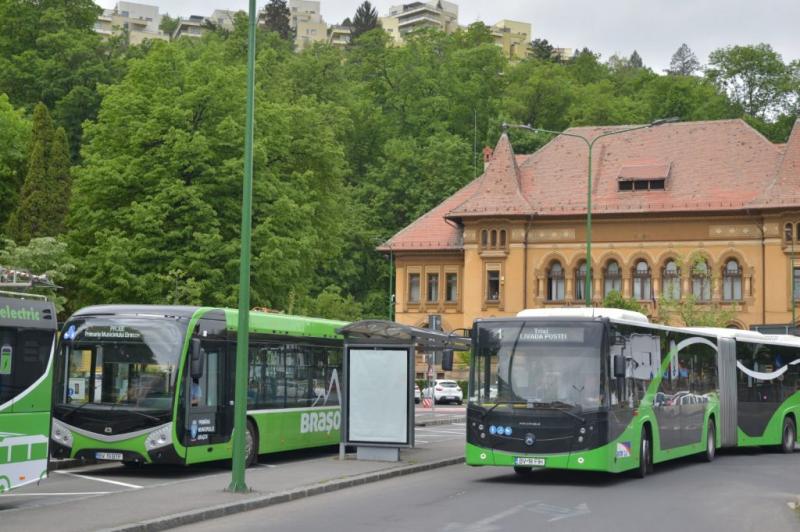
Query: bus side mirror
x=619, y=366
x=197, y=361
x=447, y=360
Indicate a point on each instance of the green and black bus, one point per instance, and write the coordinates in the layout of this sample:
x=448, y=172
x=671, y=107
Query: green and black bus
x=605, y=390
x=155, y=384
x=27, y=345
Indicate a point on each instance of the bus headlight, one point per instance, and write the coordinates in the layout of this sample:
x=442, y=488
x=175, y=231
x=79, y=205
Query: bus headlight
x=60, y=434
x=159, y=438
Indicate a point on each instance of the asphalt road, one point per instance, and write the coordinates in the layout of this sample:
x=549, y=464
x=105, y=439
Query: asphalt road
x=739, y=491
x=74, y=486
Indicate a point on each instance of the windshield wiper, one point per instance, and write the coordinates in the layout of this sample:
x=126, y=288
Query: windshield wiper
x=74, y=409
x=498, y=403
x=148, y=416
x=556, y=404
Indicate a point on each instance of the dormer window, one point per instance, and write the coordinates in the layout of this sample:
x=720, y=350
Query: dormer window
x=643, y=175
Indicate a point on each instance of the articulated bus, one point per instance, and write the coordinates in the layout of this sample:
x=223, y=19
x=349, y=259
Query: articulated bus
x=155, y=384
x=605, y=390
x=27, y=345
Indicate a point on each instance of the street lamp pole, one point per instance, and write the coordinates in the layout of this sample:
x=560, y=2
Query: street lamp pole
x=238, y=465
x=590, y=144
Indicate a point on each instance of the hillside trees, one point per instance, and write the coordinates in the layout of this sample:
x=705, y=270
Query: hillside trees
x=41, y=206
x=15, y=131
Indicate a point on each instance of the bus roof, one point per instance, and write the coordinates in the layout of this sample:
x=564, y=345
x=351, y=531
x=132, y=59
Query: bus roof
x=752, y=336
x=584, y=312
x=27, y=313
x=260, y=322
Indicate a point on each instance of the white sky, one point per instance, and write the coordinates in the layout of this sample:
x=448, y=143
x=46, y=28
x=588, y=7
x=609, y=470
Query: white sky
x=655, y=28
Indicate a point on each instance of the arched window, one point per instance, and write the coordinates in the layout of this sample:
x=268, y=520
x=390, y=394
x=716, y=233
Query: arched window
x=732, y=281
x=580, y=282
x=502, y=238
x=671, y=281
x=494, y=238
x=613, y=279
x=788, y=232
x=555, y=282
x=641, y=281
x=797, y=232
x=484, y=238
x=701, y=281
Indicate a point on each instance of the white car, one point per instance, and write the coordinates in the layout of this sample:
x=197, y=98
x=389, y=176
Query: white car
x=417, y=394
x=445, y=391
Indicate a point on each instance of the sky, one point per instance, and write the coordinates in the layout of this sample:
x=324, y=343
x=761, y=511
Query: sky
x=654, y=28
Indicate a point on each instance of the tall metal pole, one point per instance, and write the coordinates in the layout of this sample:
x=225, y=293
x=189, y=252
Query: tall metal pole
x=588, y=281
x=237, y=484
x=391, y=284
x=791, y=272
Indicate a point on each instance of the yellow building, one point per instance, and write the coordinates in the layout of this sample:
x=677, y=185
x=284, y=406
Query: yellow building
x=708, y=209
x=513, y=37
x=407, y=18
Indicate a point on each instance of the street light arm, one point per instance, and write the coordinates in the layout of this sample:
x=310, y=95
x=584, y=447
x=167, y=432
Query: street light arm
x=541, y=130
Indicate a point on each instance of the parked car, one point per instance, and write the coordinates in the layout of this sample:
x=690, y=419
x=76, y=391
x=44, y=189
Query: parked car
x=445, y=391
x=417, y=394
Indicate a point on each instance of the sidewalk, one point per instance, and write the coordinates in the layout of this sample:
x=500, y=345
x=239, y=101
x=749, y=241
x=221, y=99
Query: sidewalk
x=193, y=499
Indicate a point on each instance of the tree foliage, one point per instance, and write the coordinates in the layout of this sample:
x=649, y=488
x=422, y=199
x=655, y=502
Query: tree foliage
x=365, y=19
x=41, y=206
x=169, y=24
x=277, y=18
x=542, y=50
x=616, y=300
x=754, y=77
x=15, y=132
x=683, y=62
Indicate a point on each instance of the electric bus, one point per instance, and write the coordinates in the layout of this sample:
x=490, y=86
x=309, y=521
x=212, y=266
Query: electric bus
x=145, y=384
x=27, y=345
x=605, y=390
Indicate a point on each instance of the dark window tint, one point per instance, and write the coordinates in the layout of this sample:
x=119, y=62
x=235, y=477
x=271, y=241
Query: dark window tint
x=24, y=354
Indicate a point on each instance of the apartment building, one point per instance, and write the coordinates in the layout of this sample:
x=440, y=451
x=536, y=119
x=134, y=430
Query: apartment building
x=339, y=36
x=307, y=23
x=140, y=21
x=407, y=18
x=513, y=37
x=193, y=27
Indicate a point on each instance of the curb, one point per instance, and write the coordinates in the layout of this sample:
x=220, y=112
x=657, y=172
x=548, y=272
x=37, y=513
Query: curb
x=68, y=463
x=214, y=512
x=442, y=421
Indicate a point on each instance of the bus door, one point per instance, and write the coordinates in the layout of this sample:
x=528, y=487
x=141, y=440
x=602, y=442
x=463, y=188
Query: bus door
x=209, y=408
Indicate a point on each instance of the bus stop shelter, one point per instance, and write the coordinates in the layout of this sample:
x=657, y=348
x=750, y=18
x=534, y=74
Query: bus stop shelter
x=378, y=383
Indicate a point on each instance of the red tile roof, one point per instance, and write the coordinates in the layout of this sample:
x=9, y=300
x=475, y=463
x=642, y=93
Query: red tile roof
x=722, y=165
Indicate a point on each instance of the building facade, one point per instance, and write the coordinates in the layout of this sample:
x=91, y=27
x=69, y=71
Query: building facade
x=140, y=21
x=707, y=211
x=512, y=37
x=407, y=18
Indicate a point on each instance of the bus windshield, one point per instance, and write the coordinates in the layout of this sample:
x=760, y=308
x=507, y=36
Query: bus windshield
x=129, y=362
x=539, y=364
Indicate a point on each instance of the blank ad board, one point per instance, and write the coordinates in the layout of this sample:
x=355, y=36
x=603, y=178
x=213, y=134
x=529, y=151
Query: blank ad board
x=378, y=396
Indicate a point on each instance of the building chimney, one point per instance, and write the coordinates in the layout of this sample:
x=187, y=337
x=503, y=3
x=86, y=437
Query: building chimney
x=487, y=156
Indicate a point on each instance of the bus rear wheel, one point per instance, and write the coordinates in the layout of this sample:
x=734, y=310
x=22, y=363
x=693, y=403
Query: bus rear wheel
x=788, y=435
x=251, y=445
x=711, y=442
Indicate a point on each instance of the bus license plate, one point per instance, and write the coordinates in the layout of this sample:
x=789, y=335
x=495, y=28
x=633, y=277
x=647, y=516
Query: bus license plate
x=108, y=456
x=528, y=461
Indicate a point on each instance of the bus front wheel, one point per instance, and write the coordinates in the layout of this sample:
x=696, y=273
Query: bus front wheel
x=789, y=435
x=251, y=445
x=645, y=457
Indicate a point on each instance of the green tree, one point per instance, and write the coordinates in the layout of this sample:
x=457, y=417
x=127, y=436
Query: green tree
x=15, y=132
x=45, y=192
x=542, y=50
x=277, y=19
x=365, y=19
x=689, y=313
x=50, y=53
x=754, y=77
x=169, y=24
x=683, y=62
x=615, y=300
x=635, y=60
